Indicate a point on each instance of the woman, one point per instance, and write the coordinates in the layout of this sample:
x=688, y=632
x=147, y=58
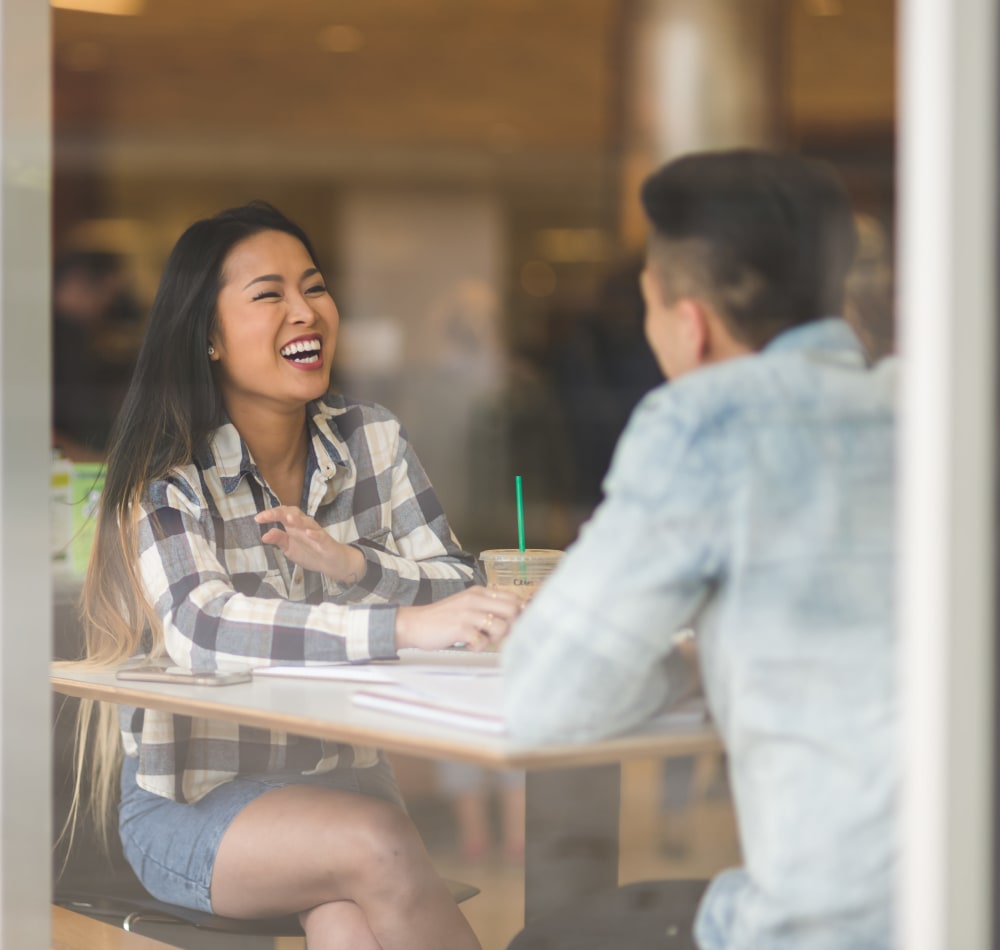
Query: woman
x=249, y=517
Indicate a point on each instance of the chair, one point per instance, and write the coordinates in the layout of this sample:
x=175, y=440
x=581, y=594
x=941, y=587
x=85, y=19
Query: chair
x=100, y=885
x=120, y=898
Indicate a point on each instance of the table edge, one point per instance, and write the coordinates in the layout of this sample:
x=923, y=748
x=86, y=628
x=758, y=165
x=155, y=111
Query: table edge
x=566, y=755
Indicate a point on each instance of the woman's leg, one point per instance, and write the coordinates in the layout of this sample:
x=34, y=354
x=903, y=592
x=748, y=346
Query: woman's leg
x=338, y=925
x=302, y=847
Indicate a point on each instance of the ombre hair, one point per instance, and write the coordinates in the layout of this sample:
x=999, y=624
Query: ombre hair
x=172, y=406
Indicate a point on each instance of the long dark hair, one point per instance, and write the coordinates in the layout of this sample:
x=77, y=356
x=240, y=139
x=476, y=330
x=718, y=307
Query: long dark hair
x=172, y=406
x=173, y=402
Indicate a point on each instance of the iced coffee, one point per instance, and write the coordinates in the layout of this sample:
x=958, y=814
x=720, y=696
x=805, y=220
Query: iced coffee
x=520, y=572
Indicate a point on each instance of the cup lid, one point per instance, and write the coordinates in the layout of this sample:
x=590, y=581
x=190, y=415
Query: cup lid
x=513, y=554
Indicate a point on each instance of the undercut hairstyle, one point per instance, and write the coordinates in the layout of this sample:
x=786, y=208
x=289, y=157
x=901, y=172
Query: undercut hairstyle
x=766, y=239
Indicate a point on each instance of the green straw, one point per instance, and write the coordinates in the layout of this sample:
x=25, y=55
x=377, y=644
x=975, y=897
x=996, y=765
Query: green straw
x=520, y=512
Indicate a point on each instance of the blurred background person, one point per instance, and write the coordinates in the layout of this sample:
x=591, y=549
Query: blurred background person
x=601, y=366
x=452, y=393
x=470, y=790
x=96, y=328
x=868, y=305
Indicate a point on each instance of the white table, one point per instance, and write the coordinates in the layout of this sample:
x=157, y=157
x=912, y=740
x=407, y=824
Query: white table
x=571, y=846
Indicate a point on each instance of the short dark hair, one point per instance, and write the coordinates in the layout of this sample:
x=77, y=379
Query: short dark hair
x=767, y=238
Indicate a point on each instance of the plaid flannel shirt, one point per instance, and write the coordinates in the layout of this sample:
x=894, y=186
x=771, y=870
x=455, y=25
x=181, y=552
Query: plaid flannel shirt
x=225, y=599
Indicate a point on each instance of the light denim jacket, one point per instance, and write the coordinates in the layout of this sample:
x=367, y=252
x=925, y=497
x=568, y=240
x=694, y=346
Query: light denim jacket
x=752, y=499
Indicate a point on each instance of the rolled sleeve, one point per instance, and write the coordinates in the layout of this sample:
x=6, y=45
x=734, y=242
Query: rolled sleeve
x=419, y=561
x=208, y=623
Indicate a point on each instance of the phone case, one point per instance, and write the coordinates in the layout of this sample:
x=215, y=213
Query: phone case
x=161, y=675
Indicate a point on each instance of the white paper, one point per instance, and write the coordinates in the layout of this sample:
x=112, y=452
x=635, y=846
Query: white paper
x=350, y=672
x=413, y=705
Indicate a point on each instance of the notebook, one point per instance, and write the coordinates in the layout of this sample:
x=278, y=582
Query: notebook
x=454, y=701
x=475, y=701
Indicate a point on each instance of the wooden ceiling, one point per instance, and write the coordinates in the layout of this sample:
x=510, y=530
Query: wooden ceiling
x=841, y=69
x=502, y=74
x=493, y=77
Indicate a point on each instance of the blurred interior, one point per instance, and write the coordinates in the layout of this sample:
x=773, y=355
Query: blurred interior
x=468, y=172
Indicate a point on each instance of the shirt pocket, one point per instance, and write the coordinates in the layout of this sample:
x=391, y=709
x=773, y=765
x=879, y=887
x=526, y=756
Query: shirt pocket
x=381, y=540
x=268, y=584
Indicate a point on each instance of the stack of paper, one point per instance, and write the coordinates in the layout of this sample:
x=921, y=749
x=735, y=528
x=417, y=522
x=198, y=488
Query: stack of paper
x=458, y=689
x=467, y=698
x=350, y=672
x=474, y=700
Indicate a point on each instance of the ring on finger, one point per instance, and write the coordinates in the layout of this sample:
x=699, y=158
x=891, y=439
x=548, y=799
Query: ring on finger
x=487, y=623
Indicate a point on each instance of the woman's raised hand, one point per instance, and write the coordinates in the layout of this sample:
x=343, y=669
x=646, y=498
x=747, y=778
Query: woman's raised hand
x=477, y=617
x=308, y=545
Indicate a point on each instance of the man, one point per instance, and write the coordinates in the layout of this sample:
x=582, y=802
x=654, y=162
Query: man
x=751, y=499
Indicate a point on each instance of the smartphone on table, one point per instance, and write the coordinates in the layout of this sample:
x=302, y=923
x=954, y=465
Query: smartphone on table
x=174, y=674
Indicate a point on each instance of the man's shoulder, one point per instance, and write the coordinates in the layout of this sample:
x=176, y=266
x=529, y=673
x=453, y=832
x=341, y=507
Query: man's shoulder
x=771, y=386
x=729, y=403
x=703, y=395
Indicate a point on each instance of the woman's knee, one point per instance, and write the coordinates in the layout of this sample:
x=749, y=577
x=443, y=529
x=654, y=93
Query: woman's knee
x=338, y=923
x=390, y=833
x=389, y=845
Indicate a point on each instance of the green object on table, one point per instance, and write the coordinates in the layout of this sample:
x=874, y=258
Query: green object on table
x=88, y=481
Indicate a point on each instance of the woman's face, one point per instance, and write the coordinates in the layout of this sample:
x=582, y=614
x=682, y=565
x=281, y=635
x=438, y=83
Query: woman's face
x=276, y=325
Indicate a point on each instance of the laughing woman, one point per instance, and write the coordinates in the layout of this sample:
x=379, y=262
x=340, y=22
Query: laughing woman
x=250, y=516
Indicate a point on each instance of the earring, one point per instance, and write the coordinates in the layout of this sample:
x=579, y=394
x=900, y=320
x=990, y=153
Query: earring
x=211, y=350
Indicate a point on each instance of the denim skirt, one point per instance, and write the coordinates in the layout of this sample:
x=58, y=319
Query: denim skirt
x=172, y=846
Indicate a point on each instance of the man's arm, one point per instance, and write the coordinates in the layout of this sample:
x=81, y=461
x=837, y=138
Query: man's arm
x=593, y=655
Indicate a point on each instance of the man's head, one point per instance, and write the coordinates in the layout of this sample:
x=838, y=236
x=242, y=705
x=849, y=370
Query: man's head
x=744, y=245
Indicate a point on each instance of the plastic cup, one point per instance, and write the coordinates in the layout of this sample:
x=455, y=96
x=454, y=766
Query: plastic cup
x=520, y=572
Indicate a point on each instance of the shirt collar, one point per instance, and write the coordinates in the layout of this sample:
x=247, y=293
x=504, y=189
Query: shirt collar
x=228, y=453
x=328, y=445
x=828, y=334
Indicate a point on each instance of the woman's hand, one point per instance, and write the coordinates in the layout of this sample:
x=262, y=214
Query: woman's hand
x=305, y=543
x=478, y=617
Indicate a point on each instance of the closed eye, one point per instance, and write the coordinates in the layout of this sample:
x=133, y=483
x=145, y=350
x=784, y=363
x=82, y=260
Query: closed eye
x=266, y=293
x=317, y=289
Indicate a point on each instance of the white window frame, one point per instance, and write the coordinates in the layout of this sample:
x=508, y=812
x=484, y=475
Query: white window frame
x=25, y=583
x=947, y=269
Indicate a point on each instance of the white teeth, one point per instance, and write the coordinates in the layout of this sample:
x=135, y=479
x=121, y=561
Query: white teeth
x=302, y=346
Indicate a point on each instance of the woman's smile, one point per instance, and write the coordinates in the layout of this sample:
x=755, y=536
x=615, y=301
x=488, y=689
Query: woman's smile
x=304, y=352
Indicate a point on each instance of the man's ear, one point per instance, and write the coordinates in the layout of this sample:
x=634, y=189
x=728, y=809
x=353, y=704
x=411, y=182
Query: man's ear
x=695, y=328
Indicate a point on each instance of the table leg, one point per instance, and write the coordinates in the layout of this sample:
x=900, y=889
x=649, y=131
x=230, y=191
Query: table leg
x=571, y=835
